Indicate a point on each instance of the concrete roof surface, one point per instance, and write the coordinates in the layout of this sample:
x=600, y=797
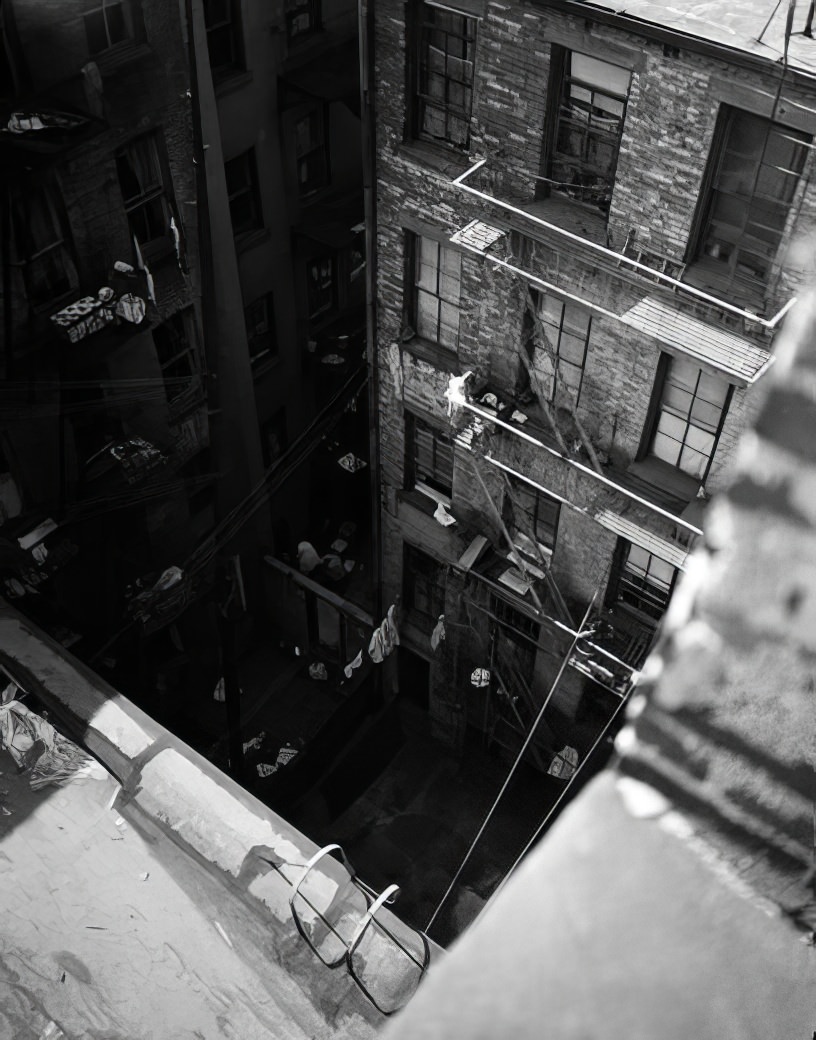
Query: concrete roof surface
x=738, y=24
x=112, y=932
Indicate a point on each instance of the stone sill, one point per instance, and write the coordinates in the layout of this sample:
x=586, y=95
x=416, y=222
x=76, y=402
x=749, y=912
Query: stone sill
x=447, y=162
x=433, y=353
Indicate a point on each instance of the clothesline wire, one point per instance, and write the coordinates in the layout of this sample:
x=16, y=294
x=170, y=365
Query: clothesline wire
x=516, y=762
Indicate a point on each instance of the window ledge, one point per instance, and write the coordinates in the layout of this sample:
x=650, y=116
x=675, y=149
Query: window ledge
x=262, y=366
x=229, y=82
x=673, y=482
x=569, y=214
x=447, y=161
x=114, y=58
x=246, y=240
x=434, y=353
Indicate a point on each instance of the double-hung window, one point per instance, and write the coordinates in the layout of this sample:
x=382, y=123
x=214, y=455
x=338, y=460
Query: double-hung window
x=311, y=151
x=260, y=327
x=321, y=284
x=586, y=127
x=141, y=180
x=690, y=413
x=175, y=348
x=429, y=459
x=444, y=75
x=222, y=21
x=48, y=266
x=557, y=347
x=531, y=516
x=302, y=18
x=423, y=586
x=243, y=192
x=644, y=582
x=754, y=169
x=437, y=279
x=110, y=23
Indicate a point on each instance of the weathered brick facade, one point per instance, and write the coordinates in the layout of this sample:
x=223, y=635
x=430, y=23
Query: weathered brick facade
x=668, y=143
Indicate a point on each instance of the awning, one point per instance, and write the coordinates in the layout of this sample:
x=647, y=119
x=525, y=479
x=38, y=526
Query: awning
x=737, y=358
x=671, y=552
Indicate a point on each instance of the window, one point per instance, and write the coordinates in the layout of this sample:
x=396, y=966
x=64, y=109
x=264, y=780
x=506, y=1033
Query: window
x=311, y=151
x=260, y=325
x=273, y=437
x=429, y=460
x=221, y=18
x=175, y=349
x=321, y=281
x=243, y=193
x=141, y=181
x=302, y=18
x=48, y=266
x=444, y=88
x=754, y=168
x=531, y=514
x=557, y=346
x=586, y=129
x=108, y=24
x=422, y=586
x=437, y=280
x=644, y=581
x=690, y=414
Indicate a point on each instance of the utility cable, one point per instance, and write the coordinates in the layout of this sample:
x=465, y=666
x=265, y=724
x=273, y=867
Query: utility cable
x=516, y=762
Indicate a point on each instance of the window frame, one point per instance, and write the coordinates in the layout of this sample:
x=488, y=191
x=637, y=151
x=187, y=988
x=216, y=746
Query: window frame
x=656, y=410
x=184, y=321
x=331, y=303
x=415, y=252
x=61, y=244
x=520, y=488
x=419, y=564
x=646, y=607
x=558, y=386
x=318, y=147
x=250, y=188
x=559, y=100
x=699, y=252
x=162, y=245
x=234, y=30
x=422, y=29
x=439, y=490
x=269, y=353
x=294, y=9
x=128, y=23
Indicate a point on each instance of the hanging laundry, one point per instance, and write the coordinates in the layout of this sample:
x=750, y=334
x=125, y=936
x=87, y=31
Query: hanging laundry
x=308, y=557
x=438, y=633
x=455, y=393
x=358, y=660
x=384, y=638
x=318, y=670
x=480, y=677
x=220, y=693
x=442, y=516
x=176, y=237
x=564, y=763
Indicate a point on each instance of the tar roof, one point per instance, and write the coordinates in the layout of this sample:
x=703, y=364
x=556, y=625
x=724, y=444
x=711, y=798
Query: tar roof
x=756, y=27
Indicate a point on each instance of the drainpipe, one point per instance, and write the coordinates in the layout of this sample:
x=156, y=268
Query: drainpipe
x=365, y=21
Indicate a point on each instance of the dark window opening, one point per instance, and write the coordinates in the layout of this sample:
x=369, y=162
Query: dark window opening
x=423, y=586
x=302, y=18
x=311, y=151
x=429, y=461
x=142, y=183
x=754, y=169
x=260, y=326
x=222, y=21
x=176, y=352
x=49, y=271
x=321, y=283
x=274, y=441
x=531, y=516
x=444, y=87
x=243, y=193
x=644, y=582
x=583, y=150
x=108, y=25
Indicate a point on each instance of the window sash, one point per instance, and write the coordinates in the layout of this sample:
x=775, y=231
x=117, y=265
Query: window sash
x=107, y=26
x=689, y=418
x=566, y=329
x=645, y=582
x=431, y=457
x=423, y=586
x=437, y=290
x=321, y=279
x=242, y=192
x=445, y=76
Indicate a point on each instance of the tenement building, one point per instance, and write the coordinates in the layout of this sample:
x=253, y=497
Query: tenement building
x=590, y=226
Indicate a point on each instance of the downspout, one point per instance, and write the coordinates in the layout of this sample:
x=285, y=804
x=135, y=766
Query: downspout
x=365, y=21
